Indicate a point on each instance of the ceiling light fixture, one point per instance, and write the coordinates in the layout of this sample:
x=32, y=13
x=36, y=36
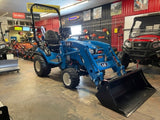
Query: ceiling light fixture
x=75, y=4
x=65, y=7
x=45, y=14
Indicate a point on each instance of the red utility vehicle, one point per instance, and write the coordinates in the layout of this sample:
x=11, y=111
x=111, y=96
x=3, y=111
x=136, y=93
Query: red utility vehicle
x=143, y=45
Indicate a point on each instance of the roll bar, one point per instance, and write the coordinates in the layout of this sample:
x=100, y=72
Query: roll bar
x=33, y=25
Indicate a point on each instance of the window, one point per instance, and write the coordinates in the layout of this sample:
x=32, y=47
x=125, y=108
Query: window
x=76, y=30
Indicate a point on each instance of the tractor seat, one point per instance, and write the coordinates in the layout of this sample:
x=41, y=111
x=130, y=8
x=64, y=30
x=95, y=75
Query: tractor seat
x=52, y=39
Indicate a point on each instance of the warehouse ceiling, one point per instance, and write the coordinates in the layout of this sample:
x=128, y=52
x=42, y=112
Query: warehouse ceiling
x=71, y=6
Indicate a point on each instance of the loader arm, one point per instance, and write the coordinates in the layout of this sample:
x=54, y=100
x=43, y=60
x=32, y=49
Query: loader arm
x=85, y=54
x=124, y=93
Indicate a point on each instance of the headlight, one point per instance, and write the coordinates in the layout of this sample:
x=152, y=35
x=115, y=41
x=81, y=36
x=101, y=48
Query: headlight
x=127, y=44
x=156, y=45
x=91, y=51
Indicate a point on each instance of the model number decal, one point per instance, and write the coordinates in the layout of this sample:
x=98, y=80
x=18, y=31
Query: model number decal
x=104, y=64
x=68, y=43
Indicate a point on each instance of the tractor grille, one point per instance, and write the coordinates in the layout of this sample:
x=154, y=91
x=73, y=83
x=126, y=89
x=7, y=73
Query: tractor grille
x=140, y=50
x=139, y=53
x=140, y=44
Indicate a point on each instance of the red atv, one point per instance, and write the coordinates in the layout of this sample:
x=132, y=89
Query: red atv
x=143, y=45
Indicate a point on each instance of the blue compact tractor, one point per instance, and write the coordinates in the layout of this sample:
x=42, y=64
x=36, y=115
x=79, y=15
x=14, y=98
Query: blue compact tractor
x=123, y=93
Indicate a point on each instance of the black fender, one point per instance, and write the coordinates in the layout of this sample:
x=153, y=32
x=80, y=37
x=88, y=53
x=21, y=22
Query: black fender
x=37, y=53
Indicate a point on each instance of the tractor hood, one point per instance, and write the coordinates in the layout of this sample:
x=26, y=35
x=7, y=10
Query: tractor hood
x=146, y=38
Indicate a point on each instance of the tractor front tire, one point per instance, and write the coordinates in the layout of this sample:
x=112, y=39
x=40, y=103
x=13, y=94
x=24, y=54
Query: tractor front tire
x=41, y=68
x=70, y=78
x=124, y=58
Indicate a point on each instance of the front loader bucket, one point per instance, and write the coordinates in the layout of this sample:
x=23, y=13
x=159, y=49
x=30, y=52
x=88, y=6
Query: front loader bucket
x=126, y=93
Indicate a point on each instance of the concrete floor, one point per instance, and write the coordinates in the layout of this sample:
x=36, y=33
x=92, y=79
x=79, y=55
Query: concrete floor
x=29, y=97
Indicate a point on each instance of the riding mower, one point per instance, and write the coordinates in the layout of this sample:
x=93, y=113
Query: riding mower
x=123, y=93
x=6, y=62
x=24, y=50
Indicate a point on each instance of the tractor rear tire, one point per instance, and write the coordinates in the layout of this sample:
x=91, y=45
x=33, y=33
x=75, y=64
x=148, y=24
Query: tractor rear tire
x=124, y=58
x=70, y=78
x=41, y=68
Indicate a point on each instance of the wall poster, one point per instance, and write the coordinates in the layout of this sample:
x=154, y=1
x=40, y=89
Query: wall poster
x=140, y=5
x=97, y=13
x=116, y=8
x=87, y=15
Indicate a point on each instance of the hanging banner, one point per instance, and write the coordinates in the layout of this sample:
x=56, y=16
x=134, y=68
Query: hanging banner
x=73, y=18
x=27, y=16
x=42, y=9
x=18, y=15
x=18, y=28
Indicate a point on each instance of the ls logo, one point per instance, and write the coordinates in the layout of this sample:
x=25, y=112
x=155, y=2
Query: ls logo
x=104, y=64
